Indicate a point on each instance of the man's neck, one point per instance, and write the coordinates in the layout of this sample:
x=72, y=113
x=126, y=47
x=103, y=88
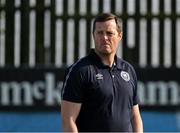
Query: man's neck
x=107, y=59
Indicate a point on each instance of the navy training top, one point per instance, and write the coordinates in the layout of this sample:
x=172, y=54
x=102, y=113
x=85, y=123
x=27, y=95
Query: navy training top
x=107, y=94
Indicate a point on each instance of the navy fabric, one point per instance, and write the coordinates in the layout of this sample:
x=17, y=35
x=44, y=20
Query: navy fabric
x=107, y=94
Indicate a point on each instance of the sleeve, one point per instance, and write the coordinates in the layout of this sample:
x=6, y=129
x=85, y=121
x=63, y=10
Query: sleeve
x=73, y=86
x=135, y=93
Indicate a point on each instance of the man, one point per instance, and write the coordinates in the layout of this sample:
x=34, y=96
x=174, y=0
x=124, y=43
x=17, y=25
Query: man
x=100, y=90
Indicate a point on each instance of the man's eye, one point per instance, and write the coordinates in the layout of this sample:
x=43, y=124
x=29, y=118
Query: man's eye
x=100, y=33
x=110, y=33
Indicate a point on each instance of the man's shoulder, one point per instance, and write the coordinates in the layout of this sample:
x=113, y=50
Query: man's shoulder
x=124, y=64
x=81, y=64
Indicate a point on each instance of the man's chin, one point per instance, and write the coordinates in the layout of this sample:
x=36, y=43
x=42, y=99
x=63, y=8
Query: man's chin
x=106, y=52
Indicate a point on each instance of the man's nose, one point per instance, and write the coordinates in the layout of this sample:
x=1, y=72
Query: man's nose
x=105, y=36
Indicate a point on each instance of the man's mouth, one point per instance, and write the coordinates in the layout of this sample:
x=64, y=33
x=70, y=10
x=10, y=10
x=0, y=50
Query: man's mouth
x=105, y=44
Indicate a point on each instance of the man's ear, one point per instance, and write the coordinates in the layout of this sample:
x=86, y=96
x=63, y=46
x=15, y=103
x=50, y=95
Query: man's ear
x=120, y=35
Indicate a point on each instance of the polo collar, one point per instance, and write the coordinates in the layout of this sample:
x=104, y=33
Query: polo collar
x=117, y=62
x=97, y=59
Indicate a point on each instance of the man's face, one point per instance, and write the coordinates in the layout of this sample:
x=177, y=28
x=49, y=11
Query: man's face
x=106, y=37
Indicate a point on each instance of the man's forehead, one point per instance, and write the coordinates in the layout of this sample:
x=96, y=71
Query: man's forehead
x=108, y=25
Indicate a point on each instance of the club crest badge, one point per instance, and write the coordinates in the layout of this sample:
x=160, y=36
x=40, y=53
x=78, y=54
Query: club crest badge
x=125, y=75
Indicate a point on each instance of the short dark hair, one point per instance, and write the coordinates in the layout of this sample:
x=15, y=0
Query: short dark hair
x=108, y=16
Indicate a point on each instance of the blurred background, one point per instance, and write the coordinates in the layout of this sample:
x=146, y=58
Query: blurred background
x=39, y=39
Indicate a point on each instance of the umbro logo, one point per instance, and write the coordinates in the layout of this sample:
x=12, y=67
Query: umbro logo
x=99, y=76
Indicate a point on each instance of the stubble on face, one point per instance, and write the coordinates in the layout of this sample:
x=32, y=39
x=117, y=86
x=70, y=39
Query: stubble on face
x=106, y=37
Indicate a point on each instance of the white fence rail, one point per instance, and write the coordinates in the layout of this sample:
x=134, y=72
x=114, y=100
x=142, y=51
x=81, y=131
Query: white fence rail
x=58, y=32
